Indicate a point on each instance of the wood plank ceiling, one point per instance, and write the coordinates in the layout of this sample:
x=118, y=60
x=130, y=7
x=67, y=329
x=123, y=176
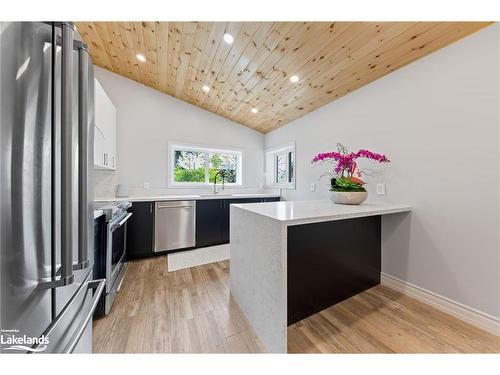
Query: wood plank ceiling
x=331, y=59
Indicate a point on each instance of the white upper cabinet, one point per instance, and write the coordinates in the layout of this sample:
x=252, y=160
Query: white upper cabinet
x=104, y=131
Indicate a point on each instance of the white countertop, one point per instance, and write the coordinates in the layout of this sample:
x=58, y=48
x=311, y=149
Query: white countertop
x=301, y=212
x=158, y=198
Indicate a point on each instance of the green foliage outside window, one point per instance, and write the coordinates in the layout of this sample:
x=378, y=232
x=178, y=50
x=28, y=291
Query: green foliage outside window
x=191, y=166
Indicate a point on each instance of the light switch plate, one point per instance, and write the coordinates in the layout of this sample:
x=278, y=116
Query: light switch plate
x=147, y=185
x=312, y=187
x=381, y=189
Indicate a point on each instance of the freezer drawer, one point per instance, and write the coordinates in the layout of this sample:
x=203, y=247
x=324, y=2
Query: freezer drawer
x=69, y=331
x=175, y=224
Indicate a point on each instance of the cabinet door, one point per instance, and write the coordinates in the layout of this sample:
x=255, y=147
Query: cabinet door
x=226, y=222
x=209, y=222
x=105, y=129
x=99, y=126
x=99, y=247
x=140, y=230
x=99, y=258
x=98, y=148
x=273, y=199
x=111, y=144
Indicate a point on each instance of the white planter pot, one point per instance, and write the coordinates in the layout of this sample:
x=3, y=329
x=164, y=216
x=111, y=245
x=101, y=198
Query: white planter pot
x=345, y=197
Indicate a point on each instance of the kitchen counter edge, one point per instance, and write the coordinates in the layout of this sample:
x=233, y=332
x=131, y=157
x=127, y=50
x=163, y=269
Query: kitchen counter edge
x=98, y=213
x=160, y=198
x=305, y=212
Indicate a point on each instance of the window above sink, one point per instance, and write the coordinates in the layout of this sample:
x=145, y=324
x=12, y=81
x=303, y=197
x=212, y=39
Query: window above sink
x=196, y=165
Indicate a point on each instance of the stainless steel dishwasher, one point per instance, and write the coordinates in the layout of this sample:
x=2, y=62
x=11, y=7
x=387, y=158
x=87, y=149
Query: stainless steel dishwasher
x=175, y=225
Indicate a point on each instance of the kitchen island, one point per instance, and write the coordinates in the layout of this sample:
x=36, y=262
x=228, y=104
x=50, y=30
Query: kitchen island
x=290, y=260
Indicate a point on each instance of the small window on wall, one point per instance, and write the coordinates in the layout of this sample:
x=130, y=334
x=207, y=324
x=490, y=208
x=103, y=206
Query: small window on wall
x=197, y=166
x=280, y=167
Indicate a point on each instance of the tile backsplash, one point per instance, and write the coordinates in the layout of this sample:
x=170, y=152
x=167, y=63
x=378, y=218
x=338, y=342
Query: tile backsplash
x=105, y=183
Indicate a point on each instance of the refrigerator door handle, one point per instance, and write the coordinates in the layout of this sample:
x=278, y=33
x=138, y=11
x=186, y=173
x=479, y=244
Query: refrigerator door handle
x=67, y=156
x=83, y=154
x=98, y=287
x=66, y=271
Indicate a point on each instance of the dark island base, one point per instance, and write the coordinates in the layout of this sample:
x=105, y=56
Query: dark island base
x=329, y=262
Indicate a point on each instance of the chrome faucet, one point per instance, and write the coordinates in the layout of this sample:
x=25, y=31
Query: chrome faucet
x=222, y=174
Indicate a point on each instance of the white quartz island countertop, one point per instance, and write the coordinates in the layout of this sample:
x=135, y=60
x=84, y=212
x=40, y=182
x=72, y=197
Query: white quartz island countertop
x=312, y=211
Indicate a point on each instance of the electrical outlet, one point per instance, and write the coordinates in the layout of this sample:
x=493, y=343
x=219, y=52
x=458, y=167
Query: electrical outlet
x=147, y=185
x=312, y=187
x=381, y=189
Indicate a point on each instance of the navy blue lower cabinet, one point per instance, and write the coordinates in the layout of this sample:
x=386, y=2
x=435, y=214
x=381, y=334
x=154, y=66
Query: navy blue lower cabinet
x=140, y=230
x=212, y=224
x=209, y=222
x=329, y=262
x=273, y=199
x=99, y=271
x=226, y=204
x=212, y=219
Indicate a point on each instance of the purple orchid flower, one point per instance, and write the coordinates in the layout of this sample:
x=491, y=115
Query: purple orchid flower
x=346, y=162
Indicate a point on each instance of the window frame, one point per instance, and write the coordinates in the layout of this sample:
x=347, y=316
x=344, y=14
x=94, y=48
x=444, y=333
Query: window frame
x=271, y=165
x=180, y=146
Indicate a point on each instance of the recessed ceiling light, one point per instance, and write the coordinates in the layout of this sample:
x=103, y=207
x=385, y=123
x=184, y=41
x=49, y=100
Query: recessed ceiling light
x=294, y=79
x=140, y=57
x=228, y=38
x=254, y=110
x=206, y=88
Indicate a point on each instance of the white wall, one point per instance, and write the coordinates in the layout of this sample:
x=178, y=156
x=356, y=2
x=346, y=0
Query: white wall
x=438, y=121
x=148, y=119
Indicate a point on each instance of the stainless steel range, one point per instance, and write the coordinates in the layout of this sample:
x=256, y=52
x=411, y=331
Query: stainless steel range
x=113, y=258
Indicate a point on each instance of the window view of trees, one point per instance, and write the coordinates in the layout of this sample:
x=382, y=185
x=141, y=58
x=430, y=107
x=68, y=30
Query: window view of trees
x=201, y=166
x=281, y=168
x=189, y=166
x=284, y=167
x=226, y=162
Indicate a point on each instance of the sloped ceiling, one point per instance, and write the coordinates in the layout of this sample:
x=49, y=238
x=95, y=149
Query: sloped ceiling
x=249, y=79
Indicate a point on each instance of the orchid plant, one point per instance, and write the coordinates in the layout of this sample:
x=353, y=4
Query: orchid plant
x=346, y=172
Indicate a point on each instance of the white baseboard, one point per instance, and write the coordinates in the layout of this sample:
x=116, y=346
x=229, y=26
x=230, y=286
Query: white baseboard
x=468, y=314
x=197, y=257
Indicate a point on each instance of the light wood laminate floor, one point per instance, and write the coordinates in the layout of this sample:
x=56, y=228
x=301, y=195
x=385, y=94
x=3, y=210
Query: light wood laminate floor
x=185, y=311
x=191, y=311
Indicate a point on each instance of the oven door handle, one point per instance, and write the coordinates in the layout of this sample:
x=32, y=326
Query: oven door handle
x=122, y=221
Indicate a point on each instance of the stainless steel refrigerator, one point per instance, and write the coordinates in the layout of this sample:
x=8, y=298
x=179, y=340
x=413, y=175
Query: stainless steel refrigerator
x=46, y=206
